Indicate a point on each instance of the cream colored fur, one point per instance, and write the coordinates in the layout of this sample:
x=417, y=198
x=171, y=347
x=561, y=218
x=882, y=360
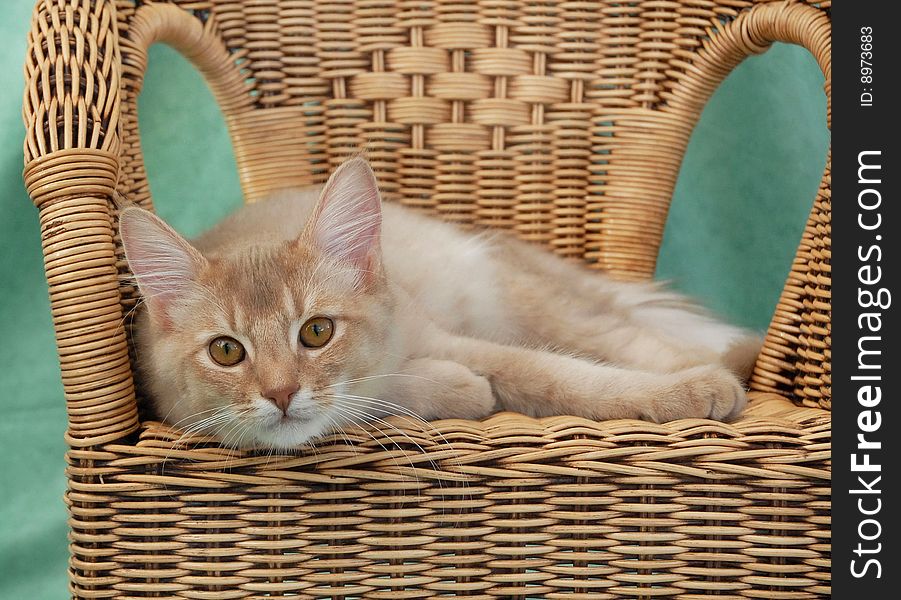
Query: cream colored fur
x=431, y=321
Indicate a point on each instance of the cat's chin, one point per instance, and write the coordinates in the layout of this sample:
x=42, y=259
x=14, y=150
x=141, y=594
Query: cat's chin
x=289, y=434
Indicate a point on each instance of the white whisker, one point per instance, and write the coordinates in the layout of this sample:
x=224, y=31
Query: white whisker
x=366, y=412
x=354, y=415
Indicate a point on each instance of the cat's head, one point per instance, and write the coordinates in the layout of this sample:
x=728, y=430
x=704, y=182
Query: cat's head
x=255, y=343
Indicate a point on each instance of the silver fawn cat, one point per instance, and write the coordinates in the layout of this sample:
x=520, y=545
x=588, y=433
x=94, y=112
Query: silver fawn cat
x=322, y=307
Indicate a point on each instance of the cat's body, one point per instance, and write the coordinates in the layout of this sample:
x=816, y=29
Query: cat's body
x=428, y=319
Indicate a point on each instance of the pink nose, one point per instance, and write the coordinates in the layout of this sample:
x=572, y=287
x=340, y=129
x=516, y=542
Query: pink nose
x=281, y=397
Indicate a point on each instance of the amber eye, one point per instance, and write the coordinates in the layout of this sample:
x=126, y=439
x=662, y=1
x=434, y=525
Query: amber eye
x=316, y=332
x=226, y=351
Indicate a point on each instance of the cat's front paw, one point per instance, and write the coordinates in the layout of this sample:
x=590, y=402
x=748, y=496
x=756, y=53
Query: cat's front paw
x=707, y=392
x=443, y=389
x=464, y=395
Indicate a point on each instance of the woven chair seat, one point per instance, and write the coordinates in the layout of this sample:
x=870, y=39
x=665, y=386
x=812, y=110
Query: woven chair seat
x=565, y=122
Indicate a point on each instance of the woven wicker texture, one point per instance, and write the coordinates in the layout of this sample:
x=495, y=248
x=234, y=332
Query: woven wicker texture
x=563, y=121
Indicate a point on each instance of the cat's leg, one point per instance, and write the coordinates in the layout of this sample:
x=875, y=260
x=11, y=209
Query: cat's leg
x=543, y=383
x=441, y=389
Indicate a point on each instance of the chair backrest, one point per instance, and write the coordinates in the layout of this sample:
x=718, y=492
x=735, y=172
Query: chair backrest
x=563, y=121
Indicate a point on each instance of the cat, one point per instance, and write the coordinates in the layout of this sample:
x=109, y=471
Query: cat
x=322, y=307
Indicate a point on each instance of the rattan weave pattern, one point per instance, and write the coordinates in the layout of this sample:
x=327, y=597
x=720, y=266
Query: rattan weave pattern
x=510, y=507
x=565, y=121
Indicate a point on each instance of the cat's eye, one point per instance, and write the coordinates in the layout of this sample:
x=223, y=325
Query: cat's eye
x=226, y=351
x=316, y=332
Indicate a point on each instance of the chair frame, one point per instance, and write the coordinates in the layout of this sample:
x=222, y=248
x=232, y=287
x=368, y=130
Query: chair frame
x=564, y=121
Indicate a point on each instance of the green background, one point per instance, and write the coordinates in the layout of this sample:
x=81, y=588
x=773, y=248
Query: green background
x=746, y=186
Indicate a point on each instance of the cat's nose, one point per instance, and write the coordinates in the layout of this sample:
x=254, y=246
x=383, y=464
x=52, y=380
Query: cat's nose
x=281, y=397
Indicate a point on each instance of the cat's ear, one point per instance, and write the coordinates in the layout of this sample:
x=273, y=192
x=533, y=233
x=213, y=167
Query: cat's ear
x=346, y=224
x=164, y=263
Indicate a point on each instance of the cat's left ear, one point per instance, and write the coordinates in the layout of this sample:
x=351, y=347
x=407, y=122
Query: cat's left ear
x=346, y=224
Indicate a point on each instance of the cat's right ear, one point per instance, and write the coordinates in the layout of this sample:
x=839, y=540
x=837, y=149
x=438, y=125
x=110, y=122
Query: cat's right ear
x=164, y=263
x=346, y=223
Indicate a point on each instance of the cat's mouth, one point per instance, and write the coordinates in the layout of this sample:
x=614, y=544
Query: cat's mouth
x=284, y=419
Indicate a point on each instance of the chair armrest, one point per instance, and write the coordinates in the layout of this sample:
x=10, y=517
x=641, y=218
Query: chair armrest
x=796, y=360
x=71, y=113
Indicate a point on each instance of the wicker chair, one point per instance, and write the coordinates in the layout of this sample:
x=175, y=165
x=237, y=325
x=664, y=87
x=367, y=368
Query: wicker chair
x=565, y=121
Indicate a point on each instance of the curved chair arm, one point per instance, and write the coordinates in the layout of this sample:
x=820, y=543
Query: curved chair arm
x=71, y=113
x=797, y=357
